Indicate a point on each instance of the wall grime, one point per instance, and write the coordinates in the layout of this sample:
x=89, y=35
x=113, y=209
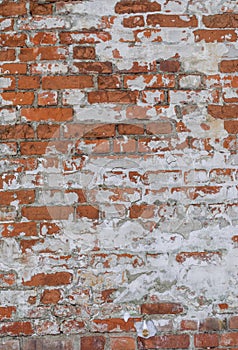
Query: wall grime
x=118, y=185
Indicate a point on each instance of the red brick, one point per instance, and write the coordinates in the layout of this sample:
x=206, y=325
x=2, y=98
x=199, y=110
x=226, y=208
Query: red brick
x=169, y=66
x=47, y=213
x=223, y=112
x=206, y=340
x=13, y=68
x=90, y=131
x=40, y=9
x=6, y=312
x=18, y=98
x=51, y=228
x=27, y=244
x=84, y=52
x=172, y=20
x=50, y=279
x=50, y=296
x=7, y=55
x=229, y=66
x=122, y=97
x=87, y=211
x=120, y=145
x=94, y=67
x=109, y=82
x=16, y=328
x=225, y=20
x=43, y=53
x=145, y=211
x=131, y=129
x=133, y=21
x=157, y=128
x=211, y=36
x=12, y=9
x=84, y=37
x=134, y=6
x=46, y=131
x=231, y=126
x=72, y=327
x=93, y=343
x=115, y=325
x=27, y=82
x=33, y=148
x=13, y=40
x=233, y=322
x=152, y=81
x=19, y=131
x=22, y=196
x=47, y=98
x=212, y=324
x=180, y=341
x=47, y=343
x=44, y=38
x=5, y=25
x=69, y=82
x=162, y=308
x=123, y=343
x=189, y=325
x=43, y=114
x=229, y=339
x=7, y=279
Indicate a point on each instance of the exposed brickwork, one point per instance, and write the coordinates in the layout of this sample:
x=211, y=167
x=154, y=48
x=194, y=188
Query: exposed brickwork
x=118, y=174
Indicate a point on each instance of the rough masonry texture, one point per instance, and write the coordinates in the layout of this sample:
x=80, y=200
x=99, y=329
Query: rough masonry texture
x=119, y=177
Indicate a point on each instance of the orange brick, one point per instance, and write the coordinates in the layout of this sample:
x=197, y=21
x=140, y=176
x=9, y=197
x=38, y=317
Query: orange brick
x=18, y=98
x=27, y=82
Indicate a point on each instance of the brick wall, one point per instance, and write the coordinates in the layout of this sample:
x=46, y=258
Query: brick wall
x=118, y=185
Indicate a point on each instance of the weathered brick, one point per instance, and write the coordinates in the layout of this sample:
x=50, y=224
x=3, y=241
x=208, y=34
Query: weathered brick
x=84, y=53
x=172, y=20
x=225, y=20
x=223, y=112
x=229, y=66
x=134, y=6
x=161, y=308
x=122, y=97
x=10, y=9
x=180, y=341
x=210, y=36
x=73, y=82
x=93, y=343
x=51, y=279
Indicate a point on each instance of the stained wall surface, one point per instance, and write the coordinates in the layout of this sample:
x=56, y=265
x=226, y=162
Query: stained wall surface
x=118, y=185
